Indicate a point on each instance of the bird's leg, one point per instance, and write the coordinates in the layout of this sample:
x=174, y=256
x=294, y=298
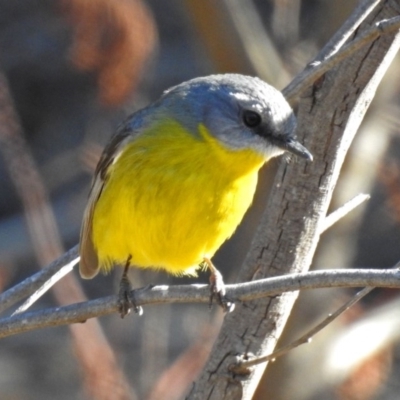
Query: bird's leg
x=126, y=298
x=217, y=288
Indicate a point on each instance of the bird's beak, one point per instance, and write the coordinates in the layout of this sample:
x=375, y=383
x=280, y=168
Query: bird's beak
x=293, y=146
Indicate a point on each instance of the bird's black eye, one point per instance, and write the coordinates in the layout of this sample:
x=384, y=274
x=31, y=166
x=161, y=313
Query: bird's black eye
x=251, y=119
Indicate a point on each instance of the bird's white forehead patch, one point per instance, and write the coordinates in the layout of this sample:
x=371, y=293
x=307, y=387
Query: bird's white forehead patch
x=249, y=100
x=241, y=96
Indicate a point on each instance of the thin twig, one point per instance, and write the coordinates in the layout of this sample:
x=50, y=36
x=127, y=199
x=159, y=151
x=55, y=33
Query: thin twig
x=199, y=294
x=34, y=282
x=345, y=209
x=334, y=44
x=359, y=14
x=66, y=269
x=316, y=69
x=244, y=365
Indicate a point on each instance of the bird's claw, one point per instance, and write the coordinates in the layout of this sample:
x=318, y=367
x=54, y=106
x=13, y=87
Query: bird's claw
x=126, y=298
x=218, y=292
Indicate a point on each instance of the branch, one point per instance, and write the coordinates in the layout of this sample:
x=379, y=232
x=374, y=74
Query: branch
x=243, y=366
x=66, y=269
x=345, y=209
x=199, y=293
x=35, y=282
x=360, y=13
x=316, y=69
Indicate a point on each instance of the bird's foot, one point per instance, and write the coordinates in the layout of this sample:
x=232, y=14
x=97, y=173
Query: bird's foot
x=217, y=289
x=126, y=296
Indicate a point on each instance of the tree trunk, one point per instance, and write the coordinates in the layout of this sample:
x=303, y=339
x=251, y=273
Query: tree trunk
x=329, y=115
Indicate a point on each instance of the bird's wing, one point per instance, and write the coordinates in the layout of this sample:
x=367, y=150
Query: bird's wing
x=89, y=265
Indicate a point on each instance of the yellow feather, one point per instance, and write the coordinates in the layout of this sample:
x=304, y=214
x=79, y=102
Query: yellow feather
x=171, y=199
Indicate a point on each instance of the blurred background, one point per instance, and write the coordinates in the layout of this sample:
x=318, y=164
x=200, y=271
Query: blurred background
x=70, y=72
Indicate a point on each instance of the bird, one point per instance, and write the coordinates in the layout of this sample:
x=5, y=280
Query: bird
x=177, y=177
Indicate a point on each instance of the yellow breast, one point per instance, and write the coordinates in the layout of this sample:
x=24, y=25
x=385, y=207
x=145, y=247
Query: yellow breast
x=172, y=199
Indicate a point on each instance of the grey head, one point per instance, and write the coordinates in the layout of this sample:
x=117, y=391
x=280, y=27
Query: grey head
x=241, y=111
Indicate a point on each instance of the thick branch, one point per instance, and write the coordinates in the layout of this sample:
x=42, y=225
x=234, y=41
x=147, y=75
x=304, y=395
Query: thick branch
x=329, y=115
